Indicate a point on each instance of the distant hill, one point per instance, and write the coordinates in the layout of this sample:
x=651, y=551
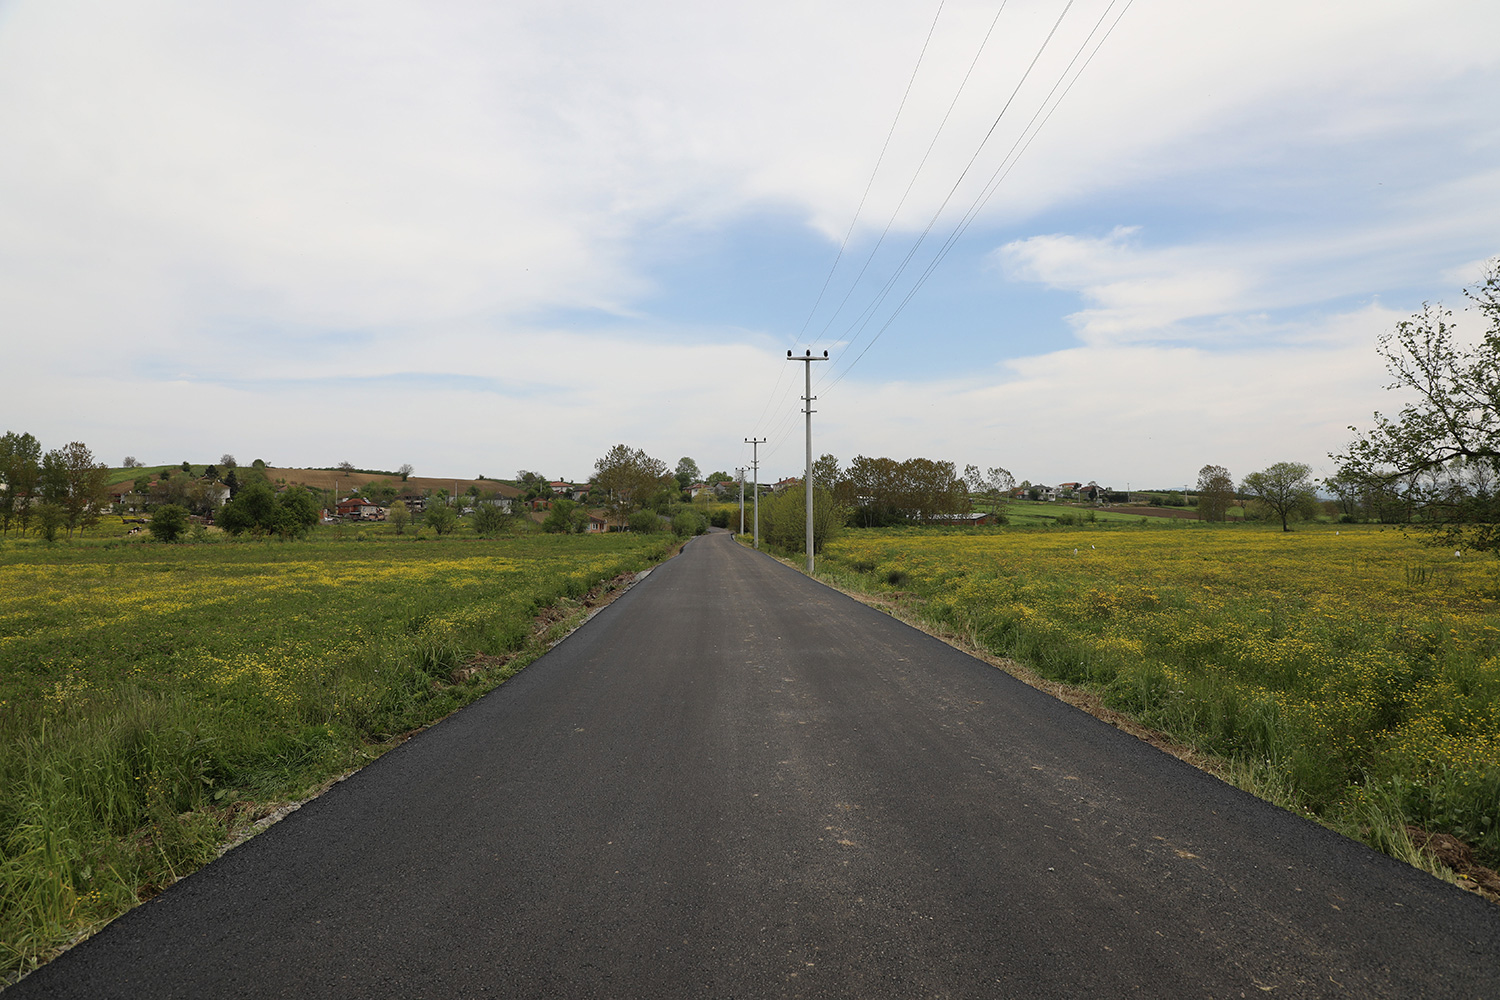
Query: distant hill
x=323, y=479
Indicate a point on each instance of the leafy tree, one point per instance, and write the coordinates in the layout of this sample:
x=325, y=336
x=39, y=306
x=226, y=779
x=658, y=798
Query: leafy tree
x=50, y=516
x=645, y=522
x=259, y=509
x=296, y=512
x=131, y=462
x=627, y=479
x=383, y=492
x=86, y=491
x=993, y=484
x=168, y=522
x=53, y=484
x=1285, y=489
x=687, y=523
x=187, y=466
x=565, y=517
x=227, y=460
x=1439, y=458
x=533, y=485
x=398, y=514
x=882, y=491
x=202, y=496
x=405, y=471
x=439, y=516
x=211, y=472
x=783, y=519
x=1215, y=493
x=687, y=473
x=168, y=490
x=233, y=482
x=20, y=473
x=259, y=464
x=252, y=509
x=488, y=519
x=825, y=474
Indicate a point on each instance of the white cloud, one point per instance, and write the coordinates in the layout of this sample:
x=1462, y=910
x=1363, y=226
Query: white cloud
x=1139, y=413
x=272, y=214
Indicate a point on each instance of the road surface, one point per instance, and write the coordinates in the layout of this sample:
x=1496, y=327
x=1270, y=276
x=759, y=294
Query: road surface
x=735, y=782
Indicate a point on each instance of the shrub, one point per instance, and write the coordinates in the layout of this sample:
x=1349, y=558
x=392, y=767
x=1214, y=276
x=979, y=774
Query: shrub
x=169, y=522
x=647, y=522
x=489, y=519
x=686, y=523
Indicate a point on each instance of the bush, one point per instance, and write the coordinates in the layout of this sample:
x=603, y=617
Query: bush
x=687, y=523
x=489, y=519
x=169, y=522
x=260, y=509
x=647, y=522
x=783, y=519
x=440, y=517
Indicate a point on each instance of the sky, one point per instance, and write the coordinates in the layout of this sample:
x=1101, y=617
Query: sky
x=1108, y=241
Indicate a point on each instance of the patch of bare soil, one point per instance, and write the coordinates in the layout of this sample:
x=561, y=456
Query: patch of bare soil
x=1180, y=513
x=1459, y=857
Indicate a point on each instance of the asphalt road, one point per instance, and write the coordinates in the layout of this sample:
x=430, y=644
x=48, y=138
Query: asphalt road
x=735, y=782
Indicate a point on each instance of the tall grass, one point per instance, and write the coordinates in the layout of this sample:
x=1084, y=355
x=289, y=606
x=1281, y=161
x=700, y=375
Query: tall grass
x=1354, y=674
x=156, y=699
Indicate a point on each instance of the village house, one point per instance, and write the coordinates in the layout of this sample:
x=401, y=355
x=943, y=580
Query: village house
x=360, y=509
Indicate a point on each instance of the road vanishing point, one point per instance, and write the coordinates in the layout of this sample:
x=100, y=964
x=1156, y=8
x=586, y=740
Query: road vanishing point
x=735, y=782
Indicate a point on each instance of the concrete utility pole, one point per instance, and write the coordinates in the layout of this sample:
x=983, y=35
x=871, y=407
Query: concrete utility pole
x=807, y=360
x=741, y=471
x=755, y=444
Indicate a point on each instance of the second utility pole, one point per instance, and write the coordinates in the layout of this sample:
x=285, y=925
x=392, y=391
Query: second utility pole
x=755, y=482
x=807, y=360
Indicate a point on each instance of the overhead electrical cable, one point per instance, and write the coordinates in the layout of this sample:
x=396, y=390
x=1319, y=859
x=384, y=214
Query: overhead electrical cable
x=900, y=107
x=785, y=421
x=890, y=283
x=1008, y=163
x=871, y=182
x=895, y=212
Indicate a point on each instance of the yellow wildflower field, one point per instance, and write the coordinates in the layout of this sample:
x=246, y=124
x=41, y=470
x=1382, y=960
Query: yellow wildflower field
x=153, y=696
x=1339, y=660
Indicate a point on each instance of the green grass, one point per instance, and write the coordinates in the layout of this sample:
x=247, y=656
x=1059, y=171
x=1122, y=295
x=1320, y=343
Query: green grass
x=1348, y=671
x=156, y=699
x=1035, y=513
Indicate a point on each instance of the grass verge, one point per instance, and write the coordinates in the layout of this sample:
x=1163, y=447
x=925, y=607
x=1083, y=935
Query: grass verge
x=1351, y=676
x=159, y=702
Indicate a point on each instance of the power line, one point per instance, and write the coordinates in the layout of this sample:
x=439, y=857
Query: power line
x=880, y=159
x=915, y=174
x=1002, y=171
x=783, y=427
x=900, y=270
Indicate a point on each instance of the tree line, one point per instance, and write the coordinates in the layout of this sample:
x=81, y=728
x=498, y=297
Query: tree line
x=61, y=488
x=1434, y=465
